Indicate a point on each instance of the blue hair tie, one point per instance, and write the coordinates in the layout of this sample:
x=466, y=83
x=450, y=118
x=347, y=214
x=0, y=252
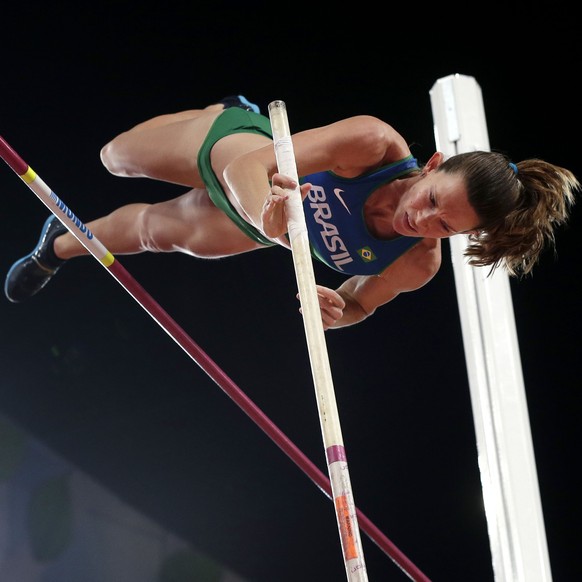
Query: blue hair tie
x=513, y=167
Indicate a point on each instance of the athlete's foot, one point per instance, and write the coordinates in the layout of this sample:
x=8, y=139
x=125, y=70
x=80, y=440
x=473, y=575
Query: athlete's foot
x=30, y=274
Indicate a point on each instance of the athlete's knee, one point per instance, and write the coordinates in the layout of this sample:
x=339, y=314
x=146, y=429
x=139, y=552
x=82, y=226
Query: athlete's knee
x=108, y=158
x=115, y=159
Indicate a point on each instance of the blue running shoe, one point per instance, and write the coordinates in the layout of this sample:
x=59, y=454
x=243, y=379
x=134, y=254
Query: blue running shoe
x=31, y=273
x=239, y=101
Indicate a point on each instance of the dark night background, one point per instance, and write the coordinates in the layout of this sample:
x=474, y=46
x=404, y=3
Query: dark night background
x=87, y=371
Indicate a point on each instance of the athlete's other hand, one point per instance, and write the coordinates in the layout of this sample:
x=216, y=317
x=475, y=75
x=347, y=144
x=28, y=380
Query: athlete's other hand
x=331, y=305
x=273, y=215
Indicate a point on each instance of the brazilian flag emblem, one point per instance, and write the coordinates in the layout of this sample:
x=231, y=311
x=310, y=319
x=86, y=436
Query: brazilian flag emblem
x=366, y=254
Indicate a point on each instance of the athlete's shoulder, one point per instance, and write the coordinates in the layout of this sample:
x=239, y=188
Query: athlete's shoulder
x=373, y=133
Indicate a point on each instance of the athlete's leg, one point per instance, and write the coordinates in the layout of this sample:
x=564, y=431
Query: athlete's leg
x=166, y=146
x=190, y=223
x=160, y=149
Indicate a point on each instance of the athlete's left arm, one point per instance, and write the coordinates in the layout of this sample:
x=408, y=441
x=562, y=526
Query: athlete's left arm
x=360, y=296
x=348, y=147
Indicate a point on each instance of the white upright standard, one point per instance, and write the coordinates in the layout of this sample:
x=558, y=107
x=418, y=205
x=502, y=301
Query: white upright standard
x=504, y=444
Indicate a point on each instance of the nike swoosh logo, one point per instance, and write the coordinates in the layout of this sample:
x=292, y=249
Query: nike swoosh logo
x=338, y=195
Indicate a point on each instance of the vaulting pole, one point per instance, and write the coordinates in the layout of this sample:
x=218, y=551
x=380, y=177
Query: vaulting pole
x=321, y=371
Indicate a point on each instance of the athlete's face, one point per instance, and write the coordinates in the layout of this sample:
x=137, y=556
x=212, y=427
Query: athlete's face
x=436, y=206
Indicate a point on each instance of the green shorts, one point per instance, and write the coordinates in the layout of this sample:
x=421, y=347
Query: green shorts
x=232, y=120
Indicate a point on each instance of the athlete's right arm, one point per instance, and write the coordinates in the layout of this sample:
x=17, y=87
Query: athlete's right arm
x=359, y=296
x=349, y=148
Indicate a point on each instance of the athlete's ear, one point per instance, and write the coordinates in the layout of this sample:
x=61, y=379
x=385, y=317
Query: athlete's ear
x=434, y=162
